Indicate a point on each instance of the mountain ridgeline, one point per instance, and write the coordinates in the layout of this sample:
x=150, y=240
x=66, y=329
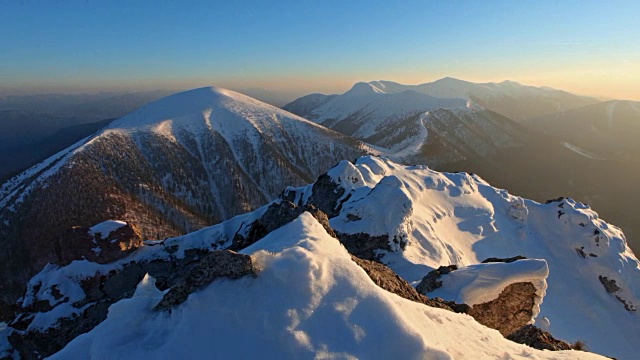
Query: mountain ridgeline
x=536, y=142
x=324, y=256
x=174, y=166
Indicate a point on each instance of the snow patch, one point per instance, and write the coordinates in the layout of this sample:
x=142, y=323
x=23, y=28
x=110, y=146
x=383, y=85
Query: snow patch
x=105, y=228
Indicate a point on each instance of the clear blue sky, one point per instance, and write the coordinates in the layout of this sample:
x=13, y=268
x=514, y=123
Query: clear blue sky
x=590, y=47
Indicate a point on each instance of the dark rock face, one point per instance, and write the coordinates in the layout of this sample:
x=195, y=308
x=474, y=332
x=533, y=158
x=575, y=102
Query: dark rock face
x=365, y=246
x=504, y=260
x=218, y=264
x=185, y=275
x=78, y=243
x=510, y=311
x=537, y=339
x=611, y=286
x=37, y=345
x=276, y=216
x=390, y=281
x=430, y=281
x=326, y=194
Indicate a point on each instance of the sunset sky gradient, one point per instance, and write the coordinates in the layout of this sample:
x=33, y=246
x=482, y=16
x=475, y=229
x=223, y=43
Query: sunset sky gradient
x=586, y=47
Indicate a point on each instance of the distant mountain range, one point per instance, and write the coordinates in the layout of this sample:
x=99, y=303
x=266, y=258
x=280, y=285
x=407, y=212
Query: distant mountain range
x=516, y=101
x=585, y=151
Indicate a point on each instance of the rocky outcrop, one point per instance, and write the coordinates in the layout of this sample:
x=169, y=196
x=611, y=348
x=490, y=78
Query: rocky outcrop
x=611, y=286
x=277, y=215
x=365, y=246
x=218, y=264
x=510, y=311
x=537, y=339
x=79, y=242
x=181, y=275
x=326, y=195
x=430, y=281
x=392, y=282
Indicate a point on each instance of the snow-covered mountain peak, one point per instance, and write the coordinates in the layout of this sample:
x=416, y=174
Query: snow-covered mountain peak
x=195, y=109
x=364, y=89
x=173, y=166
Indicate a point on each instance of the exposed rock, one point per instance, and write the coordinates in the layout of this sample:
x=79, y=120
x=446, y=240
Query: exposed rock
x=37, y=345
x=218, y=264
x=430, y=281
x=326, y=194
x=78, y=243
x=365, y=246
x=277, y=215
x=510, y=311
x=561, y=198
x=537, y=339
x=392, y=282
x=609, y=284
x=197, y=268
x=504, y=260
x=627, y=305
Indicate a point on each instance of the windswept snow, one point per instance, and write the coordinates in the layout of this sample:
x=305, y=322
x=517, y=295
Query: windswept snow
x=310, y=300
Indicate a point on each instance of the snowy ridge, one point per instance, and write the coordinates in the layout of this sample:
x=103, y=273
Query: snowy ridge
x=586, y=278
x=377, y=107
x=434, y=219
x=308, y=284
x=509, y=98
x=413, y=125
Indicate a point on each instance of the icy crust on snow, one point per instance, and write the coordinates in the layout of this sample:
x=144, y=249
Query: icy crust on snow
x=310, y=300
x=106, y=227
x=481, y=283
x=457, y=218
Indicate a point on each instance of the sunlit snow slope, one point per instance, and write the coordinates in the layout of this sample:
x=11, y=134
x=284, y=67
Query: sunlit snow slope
x=310, y=300
x=586, y=278
x=434, y=219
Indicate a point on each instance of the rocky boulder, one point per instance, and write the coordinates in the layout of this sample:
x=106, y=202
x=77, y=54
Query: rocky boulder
x=219, y=264
x=102, y=243
x=510, y=311
x=537, y=339
x=430, y=281
x=182, y=276
x=387, y=279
